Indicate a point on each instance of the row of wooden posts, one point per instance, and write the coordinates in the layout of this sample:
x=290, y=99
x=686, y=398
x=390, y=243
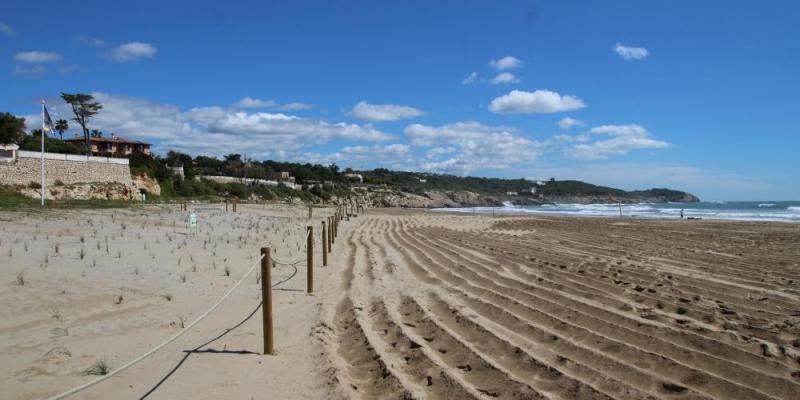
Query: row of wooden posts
x=234, y=203
x=330, y=229
x=346, y=210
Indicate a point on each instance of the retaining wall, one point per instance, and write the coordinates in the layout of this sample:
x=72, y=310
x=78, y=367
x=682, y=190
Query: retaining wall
x=69, y=169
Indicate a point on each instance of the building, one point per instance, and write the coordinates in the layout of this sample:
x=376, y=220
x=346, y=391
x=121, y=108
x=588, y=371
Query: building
x=355, y=177
x=8, y=153
x=280, y=175
x=114, y=146
x=177, y=171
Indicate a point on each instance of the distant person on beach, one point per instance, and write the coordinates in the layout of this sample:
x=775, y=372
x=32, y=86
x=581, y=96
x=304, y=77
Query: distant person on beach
x=681, y=213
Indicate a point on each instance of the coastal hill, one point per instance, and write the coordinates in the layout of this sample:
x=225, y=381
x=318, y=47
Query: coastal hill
x=179, y=175
x=454, y=191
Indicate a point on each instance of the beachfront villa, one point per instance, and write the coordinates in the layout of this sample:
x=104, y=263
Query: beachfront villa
x=114, y=146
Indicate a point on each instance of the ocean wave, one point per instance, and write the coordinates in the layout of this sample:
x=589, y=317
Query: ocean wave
x=762, y=205
x=643, y=210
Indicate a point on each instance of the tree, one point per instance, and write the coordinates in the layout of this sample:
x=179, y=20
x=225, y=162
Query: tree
x=96, y=133
x=32, y=142
x=12, y=129
x=61, y=127
x=233, y=164
x=84, y=107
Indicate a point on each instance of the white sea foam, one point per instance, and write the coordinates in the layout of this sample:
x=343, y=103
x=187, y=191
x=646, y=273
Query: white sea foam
x=716, y=210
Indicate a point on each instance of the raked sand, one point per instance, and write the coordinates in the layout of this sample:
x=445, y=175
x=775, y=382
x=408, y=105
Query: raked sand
x=414, y=305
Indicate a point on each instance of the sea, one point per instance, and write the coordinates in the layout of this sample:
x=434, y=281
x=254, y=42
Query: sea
x=780, y=211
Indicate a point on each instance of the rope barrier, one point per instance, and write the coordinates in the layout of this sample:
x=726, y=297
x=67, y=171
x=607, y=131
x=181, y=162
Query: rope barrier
x=185, y=330
x=160, y=346
x=227, y=331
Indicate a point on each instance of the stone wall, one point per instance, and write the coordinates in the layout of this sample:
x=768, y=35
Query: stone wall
x=26, y=170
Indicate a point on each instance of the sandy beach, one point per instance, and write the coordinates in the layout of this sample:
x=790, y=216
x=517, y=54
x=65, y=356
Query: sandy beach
x=414, y=304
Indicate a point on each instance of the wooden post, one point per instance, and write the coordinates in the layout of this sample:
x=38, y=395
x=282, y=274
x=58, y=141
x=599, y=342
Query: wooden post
x=324, y=245
x=266, y=297
x=310, y=260
x=226, y=205
x=330, y=234
x=333, y=230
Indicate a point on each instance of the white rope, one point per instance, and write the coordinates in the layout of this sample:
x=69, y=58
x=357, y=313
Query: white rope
x=157, y=348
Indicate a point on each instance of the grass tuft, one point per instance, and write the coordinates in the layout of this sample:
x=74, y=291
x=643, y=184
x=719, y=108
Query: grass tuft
x=98, y=368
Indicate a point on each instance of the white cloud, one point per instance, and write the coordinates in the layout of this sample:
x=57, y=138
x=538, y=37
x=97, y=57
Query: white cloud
x=36, y=69
x=507, y=62
x=213, y=130
x=540, y=101
x=383, y=112
x=631, y=53
x=620, y=140
x=249, y=102
x=568, y=122
x=396, y=156
x=440, y=151
x=90, y=41
x=133, y=51
x=6, y=29
x=37, y=57
x=295, y=106
x=504, y=78
x=470, y=79
x=470, y=145
x=71, y=68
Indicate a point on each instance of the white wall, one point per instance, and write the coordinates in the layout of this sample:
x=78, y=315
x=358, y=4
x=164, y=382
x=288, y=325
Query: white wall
x=72, y=157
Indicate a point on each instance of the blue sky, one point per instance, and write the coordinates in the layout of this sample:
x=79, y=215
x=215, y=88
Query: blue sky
x=700, y=96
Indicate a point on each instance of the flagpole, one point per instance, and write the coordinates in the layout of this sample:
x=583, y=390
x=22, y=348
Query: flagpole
x=42, y=156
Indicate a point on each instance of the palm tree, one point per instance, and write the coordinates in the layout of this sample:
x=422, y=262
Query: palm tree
x=61, y=127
